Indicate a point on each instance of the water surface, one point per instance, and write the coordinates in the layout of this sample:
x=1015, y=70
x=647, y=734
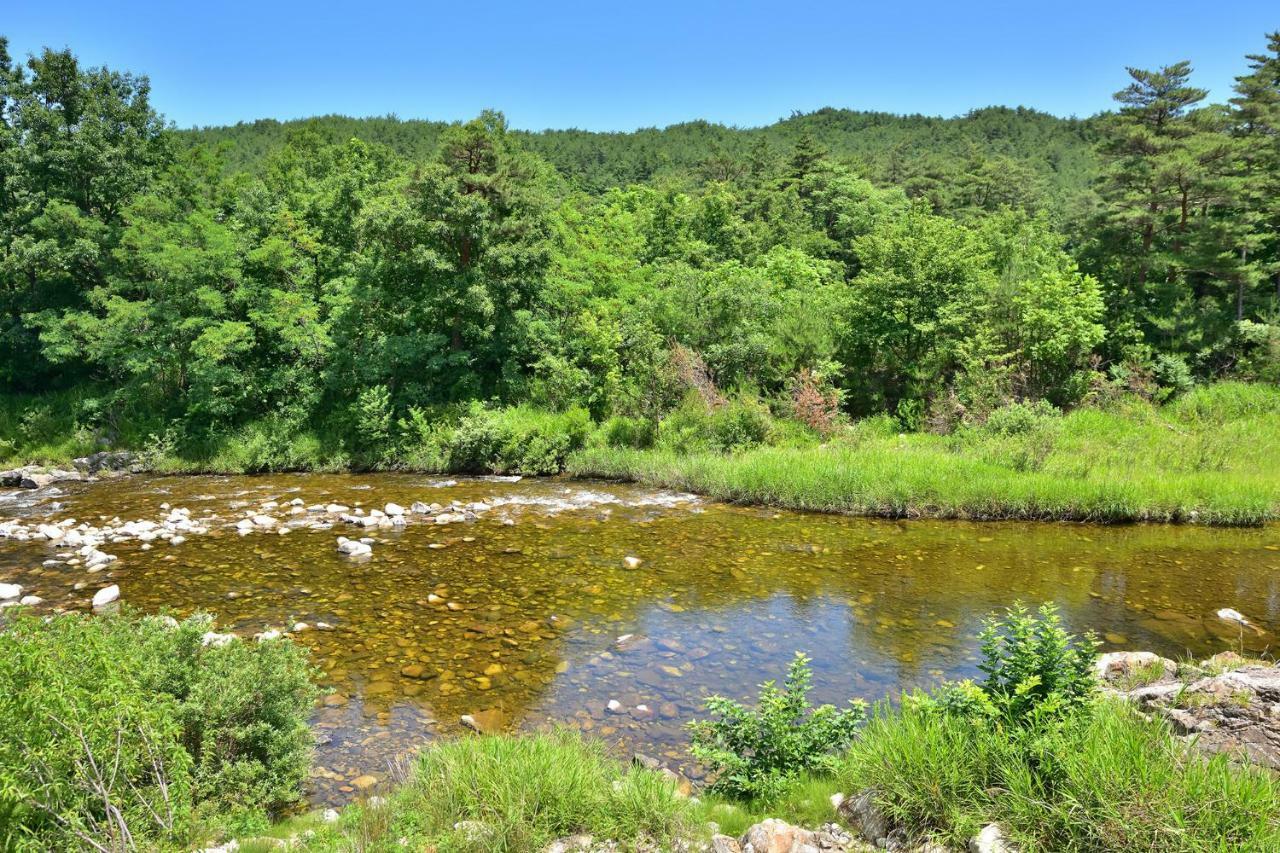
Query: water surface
x=533, y=613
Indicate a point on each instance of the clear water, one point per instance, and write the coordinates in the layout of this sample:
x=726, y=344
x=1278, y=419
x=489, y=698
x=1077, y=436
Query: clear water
x=536, y=593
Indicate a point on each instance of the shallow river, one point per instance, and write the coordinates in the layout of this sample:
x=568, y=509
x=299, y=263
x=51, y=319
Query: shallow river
x=533, y=612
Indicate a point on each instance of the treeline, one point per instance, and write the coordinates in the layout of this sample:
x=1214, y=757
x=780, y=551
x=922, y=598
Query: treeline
x=319, y=283
x=954, y=163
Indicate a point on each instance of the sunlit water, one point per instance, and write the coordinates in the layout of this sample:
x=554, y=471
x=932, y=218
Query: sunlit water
x=722, y=598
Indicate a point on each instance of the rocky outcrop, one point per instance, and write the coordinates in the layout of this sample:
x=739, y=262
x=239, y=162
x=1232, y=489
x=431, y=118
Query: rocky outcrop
x=1223, y=705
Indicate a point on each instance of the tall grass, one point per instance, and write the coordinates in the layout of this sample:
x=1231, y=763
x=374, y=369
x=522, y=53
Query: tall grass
x=518, y=793
x=1212, y=457
x=1112, y=780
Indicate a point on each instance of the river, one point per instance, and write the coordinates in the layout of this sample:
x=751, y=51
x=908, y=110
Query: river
x=560, y=597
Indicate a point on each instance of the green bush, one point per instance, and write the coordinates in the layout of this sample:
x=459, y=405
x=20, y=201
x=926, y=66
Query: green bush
x=695, y=427
x=756, y=754
x=129, y=729
x=622, y=431
x=1035, y=670
x=1020, y=418
x=518, y=793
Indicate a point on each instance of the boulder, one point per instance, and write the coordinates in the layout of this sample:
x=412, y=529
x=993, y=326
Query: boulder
x=35, y=480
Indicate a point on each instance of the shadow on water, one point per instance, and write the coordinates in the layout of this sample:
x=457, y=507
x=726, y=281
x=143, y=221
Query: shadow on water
x=531, y=612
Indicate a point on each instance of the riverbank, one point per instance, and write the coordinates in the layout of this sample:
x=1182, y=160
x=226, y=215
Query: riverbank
x=926, y=776
x=1211, y=456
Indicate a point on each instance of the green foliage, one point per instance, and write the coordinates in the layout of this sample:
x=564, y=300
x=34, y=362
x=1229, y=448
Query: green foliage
x=1111, y=780
x=518, y=793
x=129, y=730
x=734, y=425
x=757, y=753
x=1129, y=461
x=1034, y=668
x=341, y=292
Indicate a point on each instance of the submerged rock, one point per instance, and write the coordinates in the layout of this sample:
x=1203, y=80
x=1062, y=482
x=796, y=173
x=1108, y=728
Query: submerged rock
x=352, y=548
x=484, y=722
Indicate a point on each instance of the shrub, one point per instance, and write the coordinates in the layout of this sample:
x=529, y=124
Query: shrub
x=695, y=427
x=128, y=729
x=517, y=793
x=1020, y=418
x=757, y=753
x=621, y=431
x=1034, y=668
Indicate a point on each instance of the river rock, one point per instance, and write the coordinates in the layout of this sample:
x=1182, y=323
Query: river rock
x=862, y=815
x=991, y=840
x=352, y=548
x=35, y=480
x=777, y=836
x=9, y=590
x=364, y=782
x=485, y=722
x=1122, y=667
x=393, y=509
x=106, y=595
x=724, y=844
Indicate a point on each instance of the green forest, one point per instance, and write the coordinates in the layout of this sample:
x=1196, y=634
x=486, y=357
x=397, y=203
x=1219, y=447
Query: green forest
x=374, y=292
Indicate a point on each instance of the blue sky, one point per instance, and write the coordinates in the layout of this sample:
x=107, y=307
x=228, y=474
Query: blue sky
x=618, y=66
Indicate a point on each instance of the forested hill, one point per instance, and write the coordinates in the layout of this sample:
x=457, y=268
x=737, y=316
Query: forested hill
x=1053, y=157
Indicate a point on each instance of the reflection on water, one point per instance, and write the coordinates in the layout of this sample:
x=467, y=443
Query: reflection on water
x=544, y=620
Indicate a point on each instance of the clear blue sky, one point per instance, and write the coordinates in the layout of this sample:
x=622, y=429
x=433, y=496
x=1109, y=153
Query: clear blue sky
x=617, y=66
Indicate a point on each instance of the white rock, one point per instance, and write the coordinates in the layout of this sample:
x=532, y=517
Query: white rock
x=335, y=508
x=352, y=548
x=50, y=532
x=420, y=508
x=213, y=638
x=991, y=840
x=106, y=595
x=269, y=634
x=393, y=509
x=264, y=521
x=614, y=706
x=330, y=816
x=31, y=600
x=300, y=626
x=244, y=525
x=632, y=562
x=9, y=590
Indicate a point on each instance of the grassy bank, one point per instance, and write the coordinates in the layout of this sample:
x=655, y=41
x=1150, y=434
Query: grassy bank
x=1211, y=457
